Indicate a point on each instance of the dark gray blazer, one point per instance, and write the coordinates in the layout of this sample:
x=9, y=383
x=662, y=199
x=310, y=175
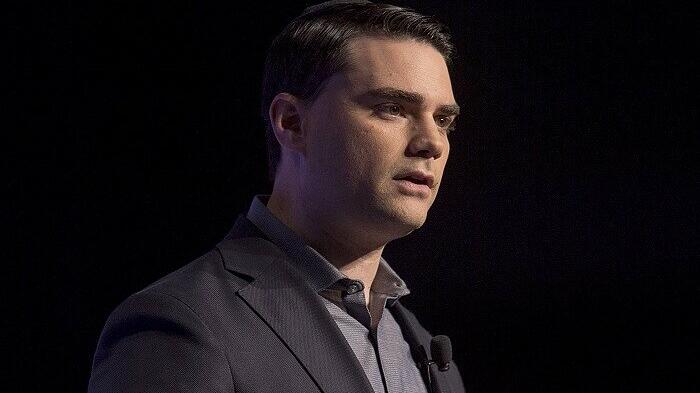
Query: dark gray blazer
x=237, y=319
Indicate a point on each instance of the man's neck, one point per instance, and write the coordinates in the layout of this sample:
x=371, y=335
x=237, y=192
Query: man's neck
x=357, y=261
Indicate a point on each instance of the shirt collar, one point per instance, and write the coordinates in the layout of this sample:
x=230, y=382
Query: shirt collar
x=316, y=269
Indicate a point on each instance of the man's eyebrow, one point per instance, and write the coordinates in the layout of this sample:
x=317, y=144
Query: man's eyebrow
x=410, y=97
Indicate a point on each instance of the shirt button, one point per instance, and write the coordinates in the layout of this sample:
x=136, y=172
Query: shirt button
x=354, y=287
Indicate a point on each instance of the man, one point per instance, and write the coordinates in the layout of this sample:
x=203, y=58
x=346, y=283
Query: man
x=297, y=298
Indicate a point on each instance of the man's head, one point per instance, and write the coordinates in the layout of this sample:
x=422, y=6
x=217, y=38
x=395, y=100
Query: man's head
x=357, y=96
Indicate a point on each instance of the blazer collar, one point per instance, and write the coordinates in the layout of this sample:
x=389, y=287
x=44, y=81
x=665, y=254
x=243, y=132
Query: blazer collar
x=281, y=296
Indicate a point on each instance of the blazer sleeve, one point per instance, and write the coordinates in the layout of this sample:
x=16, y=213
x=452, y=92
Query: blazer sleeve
x=153, y=342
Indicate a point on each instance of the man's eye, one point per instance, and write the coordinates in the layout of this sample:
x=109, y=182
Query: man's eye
x=390, y=109
x=445, y=122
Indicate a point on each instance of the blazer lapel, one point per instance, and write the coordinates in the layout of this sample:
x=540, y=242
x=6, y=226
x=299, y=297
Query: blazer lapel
x=420, y=347
x=291, y=308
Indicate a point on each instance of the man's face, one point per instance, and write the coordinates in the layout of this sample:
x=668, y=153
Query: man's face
x=377, y=139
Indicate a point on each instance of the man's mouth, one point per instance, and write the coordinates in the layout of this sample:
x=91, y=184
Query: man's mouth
x=415, y=183
x=417, y=177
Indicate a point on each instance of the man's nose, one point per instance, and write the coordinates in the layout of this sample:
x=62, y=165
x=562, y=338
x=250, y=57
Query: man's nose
x=427, y=139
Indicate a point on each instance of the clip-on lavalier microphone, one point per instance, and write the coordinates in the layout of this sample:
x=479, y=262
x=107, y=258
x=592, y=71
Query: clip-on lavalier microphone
x=441, y=354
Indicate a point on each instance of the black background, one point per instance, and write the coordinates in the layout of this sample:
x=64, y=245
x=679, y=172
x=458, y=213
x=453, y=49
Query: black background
x=560, y=255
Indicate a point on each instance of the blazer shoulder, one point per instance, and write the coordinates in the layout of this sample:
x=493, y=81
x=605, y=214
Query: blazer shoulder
x=211, y=282
x=174, y=315
x=202, y=289
x=200, y=278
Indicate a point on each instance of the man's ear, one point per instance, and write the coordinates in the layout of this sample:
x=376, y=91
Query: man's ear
x=286, y=111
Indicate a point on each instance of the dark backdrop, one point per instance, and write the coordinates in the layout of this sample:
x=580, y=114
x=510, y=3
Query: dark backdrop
x=559, y=257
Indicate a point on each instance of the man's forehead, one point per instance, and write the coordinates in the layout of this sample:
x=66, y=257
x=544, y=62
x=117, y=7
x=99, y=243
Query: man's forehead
x=401, y=64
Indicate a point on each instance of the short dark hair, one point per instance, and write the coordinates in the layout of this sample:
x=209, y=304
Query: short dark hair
x=313, y=47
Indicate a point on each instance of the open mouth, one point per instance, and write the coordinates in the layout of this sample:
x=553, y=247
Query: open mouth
x=417, y=177
x=415, y=180
x=415, y=183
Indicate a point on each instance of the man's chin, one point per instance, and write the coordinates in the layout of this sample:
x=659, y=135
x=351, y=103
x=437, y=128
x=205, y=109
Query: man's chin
x=404, y=221
x=399, y=216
